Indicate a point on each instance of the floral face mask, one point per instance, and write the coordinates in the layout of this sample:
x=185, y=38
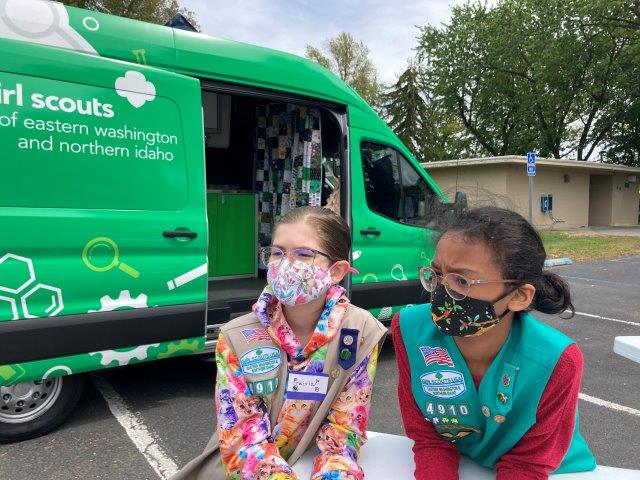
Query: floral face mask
x=297, y=283
x=464, y=318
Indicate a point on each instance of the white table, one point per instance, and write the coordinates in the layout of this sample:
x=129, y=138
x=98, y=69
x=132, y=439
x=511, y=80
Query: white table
x=628, y=347
x=389, y=456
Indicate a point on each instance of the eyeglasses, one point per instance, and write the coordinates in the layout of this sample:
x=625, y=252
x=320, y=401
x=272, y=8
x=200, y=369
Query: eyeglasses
x=456, y=285
x=270, y=255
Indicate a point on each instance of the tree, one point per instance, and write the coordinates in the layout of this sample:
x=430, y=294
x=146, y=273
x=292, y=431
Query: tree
x=531, y=74
x=422, y=125
x=623, y=144
x=154, y=11
x=486, y=101
x=349, y=59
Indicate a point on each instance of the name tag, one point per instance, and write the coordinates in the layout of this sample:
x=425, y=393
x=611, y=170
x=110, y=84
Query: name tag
x=307, y=386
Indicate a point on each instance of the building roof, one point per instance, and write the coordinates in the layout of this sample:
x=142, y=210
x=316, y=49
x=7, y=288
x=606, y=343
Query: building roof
x=602, y=168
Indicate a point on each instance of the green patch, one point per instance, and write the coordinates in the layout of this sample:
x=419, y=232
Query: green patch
x=264, y=387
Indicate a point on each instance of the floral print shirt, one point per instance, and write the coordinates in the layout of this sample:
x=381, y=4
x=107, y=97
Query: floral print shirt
x=252, y=448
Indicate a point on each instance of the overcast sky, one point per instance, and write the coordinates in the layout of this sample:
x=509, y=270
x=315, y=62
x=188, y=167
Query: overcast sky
x=387, y=27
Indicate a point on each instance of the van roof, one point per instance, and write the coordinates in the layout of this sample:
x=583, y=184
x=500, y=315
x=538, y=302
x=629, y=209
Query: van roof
x=189, y=53
x=185, y=52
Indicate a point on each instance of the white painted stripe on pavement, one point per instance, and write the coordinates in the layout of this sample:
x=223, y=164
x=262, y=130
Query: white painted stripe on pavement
x=611, y=405
x=590, y=315
x=137, y=431
x=607, y=282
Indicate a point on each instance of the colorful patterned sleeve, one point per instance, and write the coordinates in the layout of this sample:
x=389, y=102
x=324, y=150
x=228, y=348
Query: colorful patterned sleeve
x=246, y=448
x=344, y=430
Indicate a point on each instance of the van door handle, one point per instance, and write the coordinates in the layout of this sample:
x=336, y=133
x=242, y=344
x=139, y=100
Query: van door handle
x=179, y=234
x=370, y=231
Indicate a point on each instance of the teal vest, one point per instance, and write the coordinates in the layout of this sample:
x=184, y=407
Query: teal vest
x=486, y=423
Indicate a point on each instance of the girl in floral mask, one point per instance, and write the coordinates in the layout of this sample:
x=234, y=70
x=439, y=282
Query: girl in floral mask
x=285, y=370
x=478, y=374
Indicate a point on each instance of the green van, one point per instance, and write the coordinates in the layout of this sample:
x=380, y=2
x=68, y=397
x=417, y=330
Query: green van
x=142, y=168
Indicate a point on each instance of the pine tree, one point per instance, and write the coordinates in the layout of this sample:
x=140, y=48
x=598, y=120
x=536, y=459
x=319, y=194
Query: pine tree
x=406, y=110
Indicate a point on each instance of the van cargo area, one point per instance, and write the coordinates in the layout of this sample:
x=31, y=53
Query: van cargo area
x=263, y=158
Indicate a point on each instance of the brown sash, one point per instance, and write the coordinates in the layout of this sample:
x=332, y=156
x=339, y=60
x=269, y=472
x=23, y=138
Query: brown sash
x=208, y=465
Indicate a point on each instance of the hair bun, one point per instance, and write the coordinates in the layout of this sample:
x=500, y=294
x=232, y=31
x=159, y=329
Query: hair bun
x=554, y=295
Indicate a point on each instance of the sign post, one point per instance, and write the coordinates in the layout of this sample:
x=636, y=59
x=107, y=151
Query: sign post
x=531, y=172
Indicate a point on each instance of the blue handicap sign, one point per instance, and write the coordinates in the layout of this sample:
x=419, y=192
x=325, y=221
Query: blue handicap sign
x=531, y=158
x=531, y=170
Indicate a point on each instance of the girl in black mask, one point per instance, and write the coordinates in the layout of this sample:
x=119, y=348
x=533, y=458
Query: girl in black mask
x=478, y=374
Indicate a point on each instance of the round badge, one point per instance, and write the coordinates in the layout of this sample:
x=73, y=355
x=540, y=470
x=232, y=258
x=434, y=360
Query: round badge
x=347, y=340
x=485, y=411
x=499, y=418
x=335, y=372
x=506, y=380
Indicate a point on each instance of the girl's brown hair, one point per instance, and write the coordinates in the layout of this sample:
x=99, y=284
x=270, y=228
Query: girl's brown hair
x=332, y=230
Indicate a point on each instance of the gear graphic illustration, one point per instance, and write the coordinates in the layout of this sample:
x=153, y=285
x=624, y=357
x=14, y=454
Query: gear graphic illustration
x=124, y=300
x=124, y=357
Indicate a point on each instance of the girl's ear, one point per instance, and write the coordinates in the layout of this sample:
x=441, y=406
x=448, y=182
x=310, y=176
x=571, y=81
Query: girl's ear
x=522, y=298
x=339, y=270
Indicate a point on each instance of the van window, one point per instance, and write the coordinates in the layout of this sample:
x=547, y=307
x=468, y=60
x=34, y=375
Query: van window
x=70, y=145
x=393, y=186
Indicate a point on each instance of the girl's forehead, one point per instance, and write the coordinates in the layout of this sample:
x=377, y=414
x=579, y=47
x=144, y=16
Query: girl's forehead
x=456, y=253
x=296, y=235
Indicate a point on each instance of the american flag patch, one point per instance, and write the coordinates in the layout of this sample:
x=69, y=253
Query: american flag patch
x=255, y=335
x=437, y=355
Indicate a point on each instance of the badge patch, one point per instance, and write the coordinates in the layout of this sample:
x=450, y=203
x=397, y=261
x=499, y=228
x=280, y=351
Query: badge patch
x=307, y=386
x=263, y=387
x=255, y=335
x=348, y=347
x=443, y=384
x=454, y=409
x=260, y=360
x=437, y=355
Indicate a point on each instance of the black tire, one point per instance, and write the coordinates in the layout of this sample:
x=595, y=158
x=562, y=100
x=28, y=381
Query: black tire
x=51, y=417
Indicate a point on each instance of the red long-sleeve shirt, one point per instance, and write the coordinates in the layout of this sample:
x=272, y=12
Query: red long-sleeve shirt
x=538, y=453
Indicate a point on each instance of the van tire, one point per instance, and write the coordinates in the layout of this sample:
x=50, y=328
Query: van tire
x=13, y=428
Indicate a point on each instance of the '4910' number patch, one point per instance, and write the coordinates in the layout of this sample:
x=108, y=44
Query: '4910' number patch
x=454, y=409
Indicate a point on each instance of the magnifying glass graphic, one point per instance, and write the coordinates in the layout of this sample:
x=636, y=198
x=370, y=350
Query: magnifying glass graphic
x=102, y=254
x=19, y=17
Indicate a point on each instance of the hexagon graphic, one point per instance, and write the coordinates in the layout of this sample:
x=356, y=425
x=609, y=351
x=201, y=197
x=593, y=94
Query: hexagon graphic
x=42, y=301
x=16, y=273
x=8, y=309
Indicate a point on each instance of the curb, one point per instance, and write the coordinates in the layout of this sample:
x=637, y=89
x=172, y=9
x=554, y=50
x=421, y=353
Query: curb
x=555, y=262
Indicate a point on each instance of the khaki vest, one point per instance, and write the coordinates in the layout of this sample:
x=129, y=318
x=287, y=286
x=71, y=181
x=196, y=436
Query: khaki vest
x=208, y=465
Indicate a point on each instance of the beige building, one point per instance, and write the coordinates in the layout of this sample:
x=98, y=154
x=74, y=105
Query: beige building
x=583, y=193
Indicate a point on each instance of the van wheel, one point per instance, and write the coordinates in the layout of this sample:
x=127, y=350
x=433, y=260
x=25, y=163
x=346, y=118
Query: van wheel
x=31, y=409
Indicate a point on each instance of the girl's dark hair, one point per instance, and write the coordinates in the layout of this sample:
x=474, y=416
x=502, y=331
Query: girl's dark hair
x=519, y=252
x=332, y=230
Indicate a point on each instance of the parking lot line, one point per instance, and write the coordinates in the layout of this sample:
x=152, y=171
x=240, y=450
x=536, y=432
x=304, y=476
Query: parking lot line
x=140, y=435
x=599, y=317
x=607, y=282
x=626, y=260
x=608, y=404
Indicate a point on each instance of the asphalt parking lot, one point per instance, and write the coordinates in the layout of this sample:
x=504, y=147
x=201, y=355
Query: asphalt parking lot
x=168, y=411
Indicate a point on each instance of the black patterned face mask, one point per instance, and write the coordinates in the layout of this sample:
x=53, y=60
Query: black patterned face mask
x=464, y=318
